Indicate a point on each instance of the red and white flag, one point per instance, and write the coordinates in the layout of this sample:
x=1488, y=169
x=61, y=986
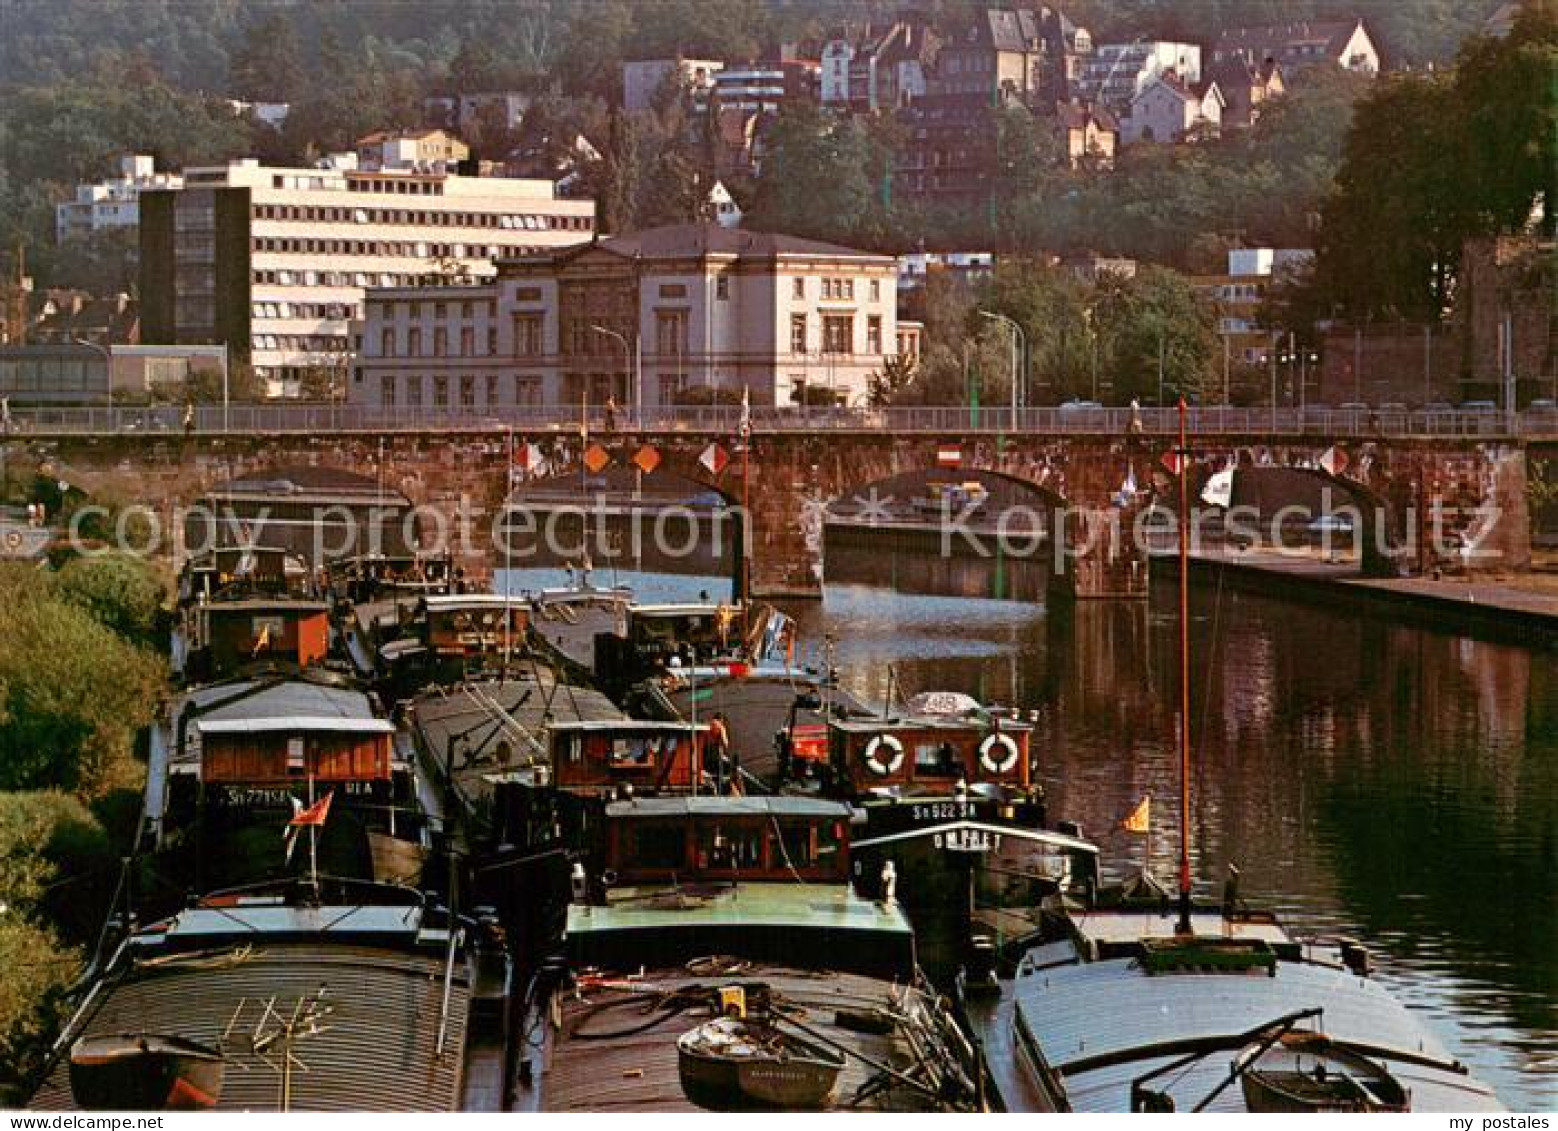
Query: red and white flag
x=527, y=457
x=715, y=458
x=1334, y=462
x=314, y=816
x=949, y=455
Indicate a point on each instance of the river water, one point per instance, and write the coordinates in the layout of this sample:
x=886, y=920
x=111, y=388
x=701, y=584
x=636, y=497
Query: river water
x=1396, y=784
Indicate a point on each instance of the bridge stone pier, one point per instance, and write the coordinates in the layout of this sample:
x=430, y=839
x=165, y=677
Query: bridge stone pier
x=1473, y=491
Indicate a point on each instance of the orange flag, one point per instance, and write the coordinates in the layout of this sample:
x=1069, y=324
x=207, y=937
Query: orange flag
x=316, y=813
x=1140, y=820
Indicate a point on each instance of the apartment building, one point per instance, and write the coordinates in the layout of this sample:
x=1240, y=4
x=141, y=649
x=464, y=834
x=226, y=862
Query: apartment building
x=1031, y=56
x=1301, y=44
x=427, y=151
x=878, y=69
x=644, y=79
x=1118, y=73
x=1239, y=295
x=274, y=262
x=113, y=203
x=682, y=312
x=766, y=86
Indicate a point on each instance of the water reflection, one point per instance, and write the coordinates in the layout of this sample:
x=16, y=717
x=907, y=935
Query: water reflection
x=1368, y=778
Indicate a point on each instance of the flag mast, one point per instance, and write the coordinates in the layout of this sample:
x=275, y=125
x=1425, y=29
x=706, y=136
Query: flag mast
x=508, y=561
x=746, y=511
x=313, y=842
x=1183, y=462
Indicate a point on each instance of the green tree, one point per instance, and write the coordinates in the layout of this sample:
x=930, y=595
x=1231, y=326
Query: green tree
x=1435, y=159
x=73, y=693
x=267, y=63
x=1161, y=325
x=1049, y=303
x=891, y=382
x=56, y=863
x=38, y=971
x=119, y=591
x=57, y=871
x=1393, y=228
x=824, y=177
x=474, y=68
x=1508, y=94
x=101, y=263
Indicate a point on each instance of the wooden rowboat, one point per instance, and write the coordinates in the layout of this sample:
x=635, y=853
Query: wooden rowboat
x=144, y=1072
x=729, y=1064
x=1308, y=1072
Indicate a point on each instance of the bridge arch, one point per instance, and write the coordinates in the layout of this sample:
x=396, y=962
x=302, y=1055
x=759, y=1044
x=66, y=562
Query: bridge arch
x=972, y=531
x=621, y=517
x=1312, y=493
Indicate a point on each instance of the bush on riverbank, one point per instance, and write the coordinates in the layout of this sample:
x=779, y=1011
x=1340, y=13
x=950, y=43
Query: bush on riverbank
x=74, y=693
x=78, y=683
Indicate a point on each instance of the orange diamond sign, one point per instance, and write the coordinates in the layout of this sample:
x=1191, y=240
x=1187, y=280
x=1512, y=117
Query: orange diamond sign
x=596, y=458
x=647, y=459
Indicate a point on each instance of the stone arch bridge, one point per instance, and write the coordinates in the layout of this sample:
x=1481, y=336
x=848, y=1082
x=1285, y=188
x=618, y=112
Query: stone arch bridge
x=794, y=480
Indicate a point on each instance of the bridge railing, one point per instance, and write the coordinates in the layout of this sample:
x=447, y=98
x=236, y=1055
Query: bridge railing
x=321, y=418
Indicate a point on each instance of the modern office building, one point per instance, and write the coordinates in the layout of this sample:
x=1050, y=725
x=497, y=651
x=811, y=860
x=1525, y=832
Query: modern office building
x=274, y=262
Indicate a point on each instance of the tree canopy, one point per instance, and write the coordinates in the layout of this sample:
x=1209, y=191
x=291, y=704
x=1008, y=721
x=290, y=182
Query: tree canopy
x=1433, y=160
x=73, y=693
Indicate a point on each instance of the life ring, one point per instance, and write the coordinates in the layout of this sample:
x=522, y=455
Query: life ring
x=13, y=539
x=987, y=753
x=874, y=747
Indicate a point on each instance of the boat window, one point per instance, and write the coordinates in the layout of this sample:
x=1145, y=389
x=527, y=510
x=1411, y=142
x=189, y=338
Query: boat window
x=936, y=757
x=798, y=846
x=656, y=848
x=722, y=848
x=635, y=751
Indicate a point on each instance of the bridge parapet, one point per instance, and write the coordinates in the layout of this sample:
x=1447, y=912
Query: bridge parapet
x=294, y=418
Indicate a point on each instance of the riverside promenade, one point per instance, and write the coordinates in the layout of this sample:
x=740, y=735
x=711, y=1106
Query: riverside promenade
x=1521, y=610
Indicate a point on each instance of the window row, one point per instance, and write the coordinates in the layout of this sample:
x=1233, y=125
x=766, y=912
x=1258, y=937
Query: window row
x=415, y=343
x=301, y=343
x=834, y=289
x=411, y=311
x=340, y=278
x=468, y=391
x=419, y=249
x=335, y=311
x=838, y=334
x=507, y=221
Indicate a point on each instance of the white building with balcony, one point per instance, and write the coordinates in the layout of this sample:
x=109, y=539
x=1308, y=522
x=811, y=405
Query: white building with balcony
x=113, y=203
x=1117, y=73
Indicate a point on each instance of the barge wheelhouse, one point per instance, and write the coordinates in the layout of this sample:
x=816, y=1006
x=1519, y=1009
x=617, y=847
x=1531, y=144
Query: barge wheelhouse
x=716, y=959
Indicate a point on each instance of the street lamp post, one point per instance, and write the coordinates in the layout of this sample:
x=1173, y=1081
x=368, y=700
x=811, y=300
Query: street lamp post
x=632, y=362
x=1307, y=358
x=108, y=370
x=1160, y=366
x=1271, y=359
x=1019, y=346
